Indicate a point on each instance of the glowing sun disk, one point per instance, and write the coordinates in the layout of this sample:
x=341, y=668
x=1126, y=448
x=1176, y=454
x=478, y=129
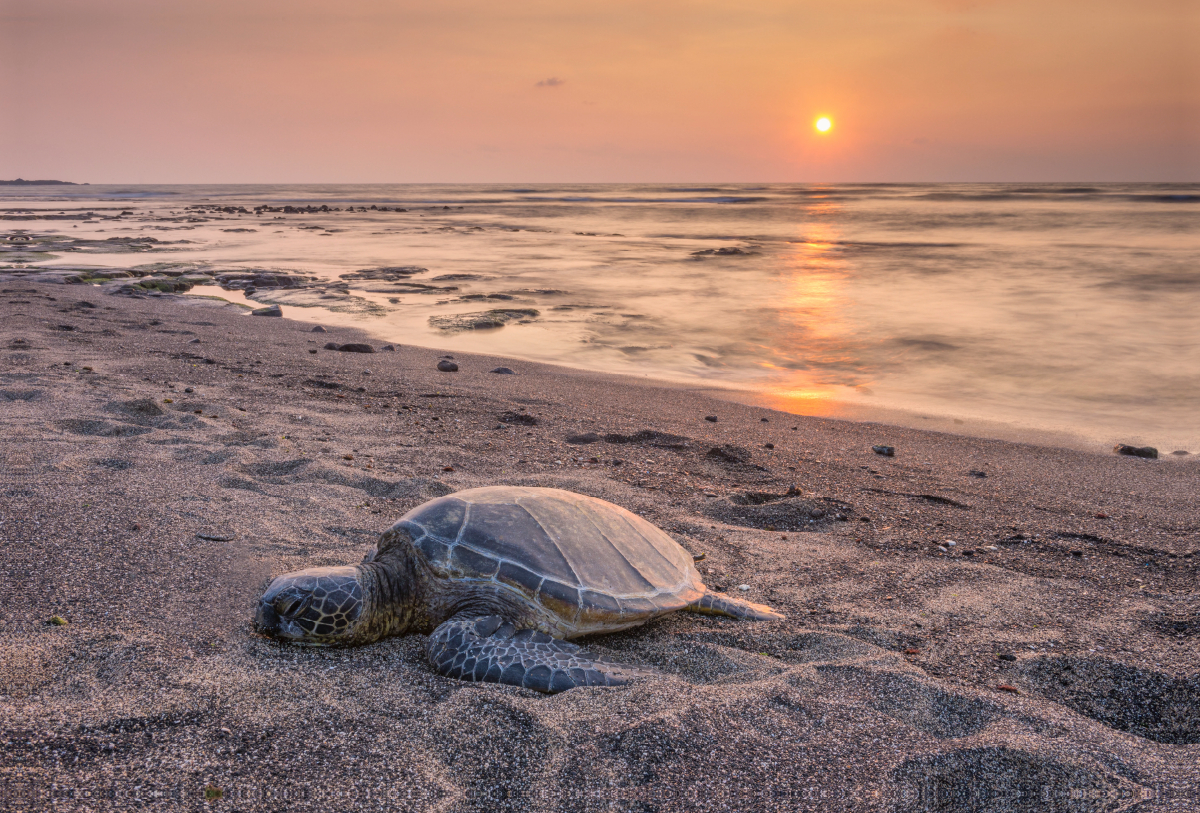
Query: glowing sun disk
x=823, y=124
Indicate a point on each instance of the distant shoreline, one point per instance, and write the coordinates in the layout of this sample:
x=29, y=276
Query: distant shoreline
x=23, y=182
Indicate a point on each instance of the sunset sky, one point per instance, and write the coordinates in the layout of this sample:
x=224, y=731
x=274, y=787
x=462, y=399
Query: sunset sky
x=280, y=91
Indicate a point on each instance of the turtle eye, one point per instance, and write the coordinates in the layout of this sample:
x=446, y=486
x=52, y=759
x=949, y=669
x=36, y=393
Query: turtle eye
x=289, y=606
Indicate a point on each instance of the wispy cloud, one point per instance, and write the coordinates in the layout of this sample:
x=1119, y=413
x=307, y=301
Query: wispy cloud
x=552, y=82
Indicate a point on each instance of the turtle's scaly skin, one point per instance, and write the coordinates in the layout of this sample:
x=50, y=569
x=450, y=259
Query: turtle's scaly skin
x=499, y=576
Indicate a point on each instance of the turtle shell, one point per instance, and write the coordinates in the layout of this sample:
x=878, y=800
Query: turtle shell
x=592, y=564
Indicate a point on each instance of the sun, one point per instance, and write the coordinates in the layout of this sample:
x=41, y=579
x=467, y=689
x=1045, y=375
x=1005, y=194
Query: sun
x=824, y=124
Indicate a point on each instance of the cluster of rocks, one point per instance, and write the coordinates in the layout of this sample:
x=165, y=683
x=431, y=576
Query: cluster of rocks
x=724, y=251
x=483, y=320
x=391, y=273
x=264, y=208
x=251, y=281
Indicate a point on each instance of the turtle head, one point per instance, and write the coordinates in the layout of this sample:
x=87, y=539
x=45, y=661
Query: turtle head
x=320, y=605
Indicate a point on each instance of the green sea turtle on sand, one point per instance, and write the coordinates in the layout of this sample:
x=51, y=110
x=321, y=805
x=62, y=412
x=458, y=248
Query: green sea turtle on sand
x=501, y=576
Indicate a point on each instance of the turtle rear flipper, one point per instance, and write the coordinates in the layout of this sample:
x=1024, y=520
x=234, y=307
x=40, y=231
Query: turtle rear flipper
x=492, y=650
x=713, y=603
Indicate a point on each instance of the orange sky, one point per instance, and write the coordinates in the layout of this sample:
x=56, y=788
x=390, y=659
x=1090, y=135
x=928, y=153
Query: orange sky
x=154, y=91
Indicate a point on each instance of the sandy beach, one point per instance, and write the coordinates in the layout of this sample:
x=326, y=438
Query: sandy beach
x=972, y=624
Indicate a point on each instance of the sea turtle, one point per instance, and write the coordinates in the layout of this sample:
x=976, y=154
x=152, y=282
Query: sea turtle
x=502, y=576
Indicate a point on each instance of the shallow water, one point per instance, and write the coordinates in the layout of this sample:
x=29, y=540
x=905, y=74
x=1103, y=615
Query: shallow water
x=990, y=309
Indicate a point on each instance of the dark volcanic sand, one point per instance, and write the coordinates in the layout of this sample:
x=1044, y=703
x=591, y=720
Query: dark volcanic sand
x=883, y=689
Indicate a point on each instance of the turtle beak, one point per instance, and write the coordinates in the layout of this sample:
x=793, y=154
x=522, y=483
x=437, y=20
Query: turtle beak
x=266, y=620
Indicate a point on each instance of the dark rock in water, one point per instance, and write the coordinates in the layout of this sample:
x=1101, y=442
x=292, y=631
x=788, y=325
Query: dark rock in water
x=318, y=329
x=506, y=371
x=332, y=346
x=518, y=417
x=724, y=251
x=485, y=320
x=728, y=453
x=388, y=348
x=248, y=280
x=1148, y=452
x=710, y=418
x=661, y=440
x=273, y=310
x=1180, y=452
x=886, y=451
x=356, y=348
x=447, y=366
x=587, y=437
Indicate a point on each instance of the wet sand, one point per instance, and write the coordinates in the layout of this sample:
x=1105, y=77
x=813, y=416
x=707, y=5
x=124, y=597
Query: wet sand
x=1047, y=660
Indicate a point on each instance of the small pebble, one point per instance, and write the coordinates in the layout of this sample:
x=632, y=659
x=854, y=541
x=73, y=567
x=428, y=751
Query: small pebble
x=764, y=420
x=389, y=348
x=768, y=445
x=194, y=341
x=188, y=389
x=1007, y=656
x=503, y=371
x=886, y=451
x=318, y=329
x=743, y=587
x=58, y=621
x=1148, y=452
x=710, y=418
x=447, y=366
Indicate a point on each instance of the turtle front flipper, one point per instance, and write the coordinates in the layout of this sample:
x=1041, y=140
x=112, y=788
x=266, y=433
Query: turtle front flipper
x=713, y=603
x=492, y=650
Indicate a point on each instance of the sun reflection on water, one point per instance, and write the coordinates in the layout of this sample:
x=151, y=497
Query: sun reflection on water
x=814, y=366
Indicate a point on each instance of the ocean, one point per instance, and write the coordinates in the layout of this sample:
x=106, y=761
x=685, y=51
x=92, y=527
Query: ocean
x=1038, y=311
